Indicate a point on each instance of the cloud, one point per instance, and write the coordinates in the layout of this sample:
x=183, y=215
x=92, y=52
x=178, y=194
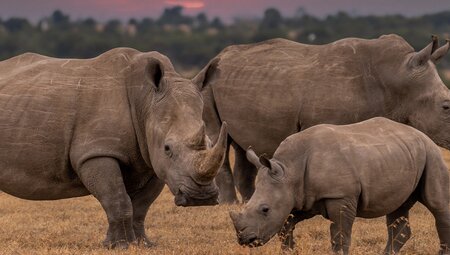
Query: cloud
x=187, y=4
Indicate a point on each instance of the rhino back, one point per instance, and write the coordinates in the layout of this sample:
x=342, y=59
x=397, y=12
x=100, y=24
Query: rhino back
x=53, y=112
x=369, y=161
x=278, y=87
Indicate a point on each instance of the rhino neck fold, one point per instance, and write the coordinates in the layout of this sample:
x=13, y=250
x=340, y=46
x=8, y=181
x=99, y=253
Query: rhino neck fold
x=140, y=101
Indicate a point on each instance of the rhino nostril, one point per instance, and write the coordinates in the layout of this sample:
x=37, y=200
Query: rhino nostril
x=252, y=239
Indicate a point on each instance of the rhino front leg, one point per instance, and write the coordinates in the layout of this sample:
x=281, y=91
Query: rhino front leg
x=102, y=177
x=287, y=231
x=342, y=214
x=141, y=201
x=244, y=174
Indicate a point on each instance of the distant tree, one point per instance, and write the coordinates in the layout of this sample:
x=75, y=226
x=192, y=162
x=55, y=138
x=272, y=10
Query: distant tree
x=113, y=26
x=58, y=18
x=16, y=24
x=89, y=23
x=217, y=23
x=270, y=26
x=56, y=35
x=174, y=16
x=146, y=25
x=201, y=20
x=272, y=19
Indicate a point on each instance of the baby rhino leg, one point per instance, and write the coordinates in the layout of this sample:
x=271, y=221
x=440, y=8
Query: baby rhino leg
x=399, y=230
x=287, y=232
x=342, y=213
x=442, y=221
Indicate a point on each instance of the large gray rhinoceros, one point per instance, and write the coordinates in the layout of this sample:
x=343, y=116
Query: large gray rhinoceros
x=116, y=126
x=270, y=90
x=373, y=168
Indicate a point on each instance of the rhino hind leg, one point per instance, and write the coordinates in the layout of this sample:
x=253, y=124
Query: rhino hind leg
x=103, y=178
x=442, y=218
x=435, y=196
x=399, y=230
x=342, y=213
x=244, y=174
x=141, y=201
x=442, y=223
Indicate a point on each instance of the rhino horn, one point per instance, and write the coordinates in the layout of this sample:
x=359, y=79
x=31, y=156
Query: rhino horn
x=441, y=52
x=422, y=57
x=211, y=159
x=435, y=41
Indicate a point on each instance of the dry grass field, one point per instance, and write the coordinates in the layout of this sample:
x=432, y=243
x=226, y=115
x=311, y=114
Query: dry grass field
x=77, y=226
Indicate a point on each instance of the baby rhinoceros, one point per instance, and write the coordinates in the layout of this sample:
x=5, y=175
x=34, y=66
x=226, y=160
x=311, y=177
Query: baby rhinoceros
x=370, y=169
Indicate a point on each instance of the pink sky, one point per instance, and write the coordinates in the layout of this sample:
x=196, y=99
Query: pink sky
x=226, y=9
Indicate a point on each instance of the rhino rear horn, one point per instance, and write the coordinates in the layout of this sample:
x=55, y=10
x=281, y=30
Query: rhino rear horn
x=441, y=52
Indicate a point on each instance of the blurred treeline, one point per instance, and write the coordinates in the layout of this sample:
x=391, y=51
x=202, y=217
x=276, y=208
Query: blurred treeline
x=190, y=41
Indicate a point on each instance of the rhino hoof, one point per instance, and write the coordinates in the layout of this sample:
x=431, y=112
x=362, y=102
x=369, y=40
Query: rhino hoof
x=143, y=241
x=121, y=244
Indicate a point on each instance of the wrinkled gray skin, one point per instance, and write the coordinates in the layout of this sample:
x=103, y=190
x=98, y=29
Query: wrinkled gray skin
x=116, y=126
x=373, y=168
x=270, y=90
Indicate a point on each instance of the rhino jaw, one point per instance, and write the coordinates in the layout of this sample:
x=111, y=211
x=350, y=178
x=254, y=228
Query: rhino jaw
x=185, y=201
x=187, y=196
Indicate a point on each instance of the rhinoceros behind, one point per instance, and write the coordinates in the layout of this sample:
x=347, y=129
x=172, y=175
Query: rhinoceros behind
x=369, y=169
x=116, y=126
x=270, y=90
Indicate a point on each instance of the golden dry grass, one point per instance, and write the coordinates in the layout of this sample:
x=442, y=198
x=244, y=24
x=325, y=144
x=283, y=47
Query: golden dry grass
x=77, y=226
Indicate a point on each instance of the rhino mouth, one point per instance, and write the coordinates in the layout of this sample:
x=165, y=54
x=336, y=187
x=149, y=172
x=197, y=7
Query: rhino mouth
x=250, y=240
x=199, y=196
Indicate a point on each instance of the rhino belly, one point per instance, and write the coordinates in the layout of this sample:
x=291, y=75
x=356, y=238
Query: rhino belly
x=385, y=191
x=36, y=129
x=38, y=171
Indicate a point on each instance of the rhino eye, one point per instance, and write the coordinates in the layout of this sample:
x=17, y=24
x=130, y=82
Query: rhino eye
x=168, y=150
x=446, y=107
x=265, y=209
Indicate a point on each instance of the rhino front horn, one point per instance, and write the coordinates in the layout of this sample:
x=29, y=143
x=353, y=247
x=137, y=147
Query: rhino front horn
x=440, y=52
x=212, y=159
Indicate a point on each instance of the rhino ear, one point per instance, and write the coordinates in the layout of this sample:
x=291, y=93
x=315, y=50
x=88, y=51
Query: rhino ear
x=420, y=58
x=275, y=169
x=441, y=52
x=155, y=72
x=264, y=161
x=252, y=158
x=205, y=75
